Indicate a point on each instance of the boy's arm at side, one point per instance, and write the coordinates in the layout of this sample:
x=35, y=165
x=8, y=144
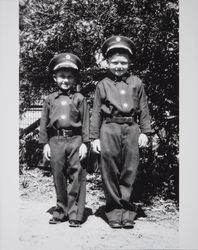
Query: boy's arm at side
x=145, y=119
x=84, y=120
x=85, y=129
x=96, y=120
x=96, y=117
x=43, y=135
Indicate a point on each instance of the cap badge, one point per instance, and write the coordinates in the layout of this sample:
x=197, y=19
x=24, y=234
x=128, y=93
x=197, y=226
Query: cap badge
x=68, y=57
x=118, y=39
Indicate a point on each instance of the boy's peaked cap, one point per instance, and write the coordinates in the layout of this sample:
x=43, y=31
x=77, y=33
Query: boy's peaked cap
x=117, y=42
x=64, y=60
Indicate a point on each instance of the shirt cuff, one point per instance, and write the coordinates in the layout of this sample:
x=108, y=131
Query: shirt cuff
x=94, y=135
x=147, y=131
x=43, y=141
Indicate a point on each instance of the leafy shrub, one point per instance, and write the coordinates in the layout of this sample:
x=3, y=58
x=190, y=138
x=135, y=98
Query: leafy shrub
x=30, y=152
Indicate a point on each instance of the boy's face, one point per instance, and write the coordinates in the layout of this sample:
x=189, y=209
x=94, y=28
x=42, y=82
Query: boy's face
x=118, y=64
x=65, y=79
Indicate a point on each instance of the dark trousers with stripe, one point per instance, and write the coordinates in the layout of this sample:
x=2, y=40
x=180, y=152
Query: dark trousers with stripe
x=69, y=175
x=119, y=162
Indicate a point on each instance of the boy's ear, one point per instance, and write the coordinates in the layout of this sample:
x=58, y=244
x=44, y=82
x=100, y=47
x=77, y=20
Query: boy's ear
x=54, y=77
x=108, y=60
x=130, y=60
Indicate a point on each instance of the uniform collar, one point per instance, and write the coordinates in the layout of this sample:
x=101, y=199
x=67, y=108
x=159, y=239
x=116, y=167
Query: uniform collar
x=69, y=93
x=117, y=79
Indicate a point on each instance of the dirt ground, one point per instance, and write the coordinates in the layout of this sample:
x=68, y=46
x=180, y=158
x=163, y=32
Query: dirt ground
x=156, y=228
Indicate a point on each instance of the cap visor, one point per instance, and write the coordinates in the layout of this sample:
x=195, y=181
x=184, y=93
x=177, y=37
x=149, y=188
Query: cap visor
x=119, y=46
x=65, y=65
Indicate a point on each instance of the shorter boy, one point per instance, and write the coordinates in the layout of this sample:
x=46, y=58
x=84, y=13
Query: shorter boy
x=64, y=131
x=120, y=102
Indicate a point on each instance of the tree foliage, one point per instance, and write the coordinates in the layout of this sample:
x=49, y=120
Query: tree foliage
x=50, y=27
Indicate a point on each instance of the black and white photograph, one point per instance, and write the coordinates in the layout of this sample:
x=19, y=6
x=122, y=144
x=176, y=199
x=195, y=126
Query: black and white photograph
x=99, y=138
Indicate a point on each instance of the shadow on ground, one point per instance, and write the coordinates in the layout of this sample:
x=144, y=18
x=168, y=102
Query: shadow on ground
x=87, y=213
x=100, y=212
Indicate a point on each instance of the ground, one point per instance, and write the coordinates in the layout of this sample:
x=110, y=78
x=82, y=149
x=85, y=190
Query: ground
x=155, y=228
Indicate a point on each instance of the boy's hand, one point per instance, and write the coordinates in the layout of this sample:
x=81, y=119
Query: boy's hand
x=143, y=140
x=82, y=151
x=47, y=152
x=96, y=146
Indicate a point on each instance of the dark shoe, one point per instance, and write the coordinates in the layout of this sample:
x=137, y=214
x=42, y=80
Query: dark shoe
x=128, y=224
x=74, y=223
x=54, y=221
x=115, y=224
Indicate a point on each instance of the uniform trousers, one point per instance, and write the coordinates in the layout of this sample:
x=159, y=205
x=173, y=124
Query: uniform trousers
x=68, y=175
x=119, y=162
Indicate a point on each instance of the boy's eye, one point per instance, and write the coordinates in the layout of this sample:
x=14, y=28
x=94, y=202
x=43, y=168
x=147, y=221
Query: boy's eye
x=122, y=63
x=64, y=77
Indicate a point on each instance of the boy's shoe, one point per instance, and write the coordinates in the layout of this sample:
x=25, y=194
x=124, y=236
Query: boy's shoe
x=54, y=221
x=115, y=224
x=74, y=223
x=58, y=216
x=128, y=224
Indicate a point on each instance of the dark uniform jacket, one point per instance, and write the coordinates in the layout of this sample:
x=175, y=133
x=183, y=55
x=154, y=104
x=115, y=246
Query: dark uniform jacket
x=123, y=97
x=61, y=111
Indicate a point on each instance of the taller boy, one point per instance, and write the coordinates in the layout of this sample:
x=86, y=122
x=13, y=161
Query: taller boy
x=120, y=102
x=64, y=131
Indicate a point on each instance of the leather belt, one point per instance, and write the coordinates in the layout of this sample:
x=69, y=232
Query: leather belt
x=64, y=132
x=120, y=120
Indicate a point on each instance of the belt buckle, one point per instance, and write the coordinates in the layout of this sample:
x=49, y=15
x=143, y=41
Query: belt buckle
x=130, y=120
x=64, y=133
